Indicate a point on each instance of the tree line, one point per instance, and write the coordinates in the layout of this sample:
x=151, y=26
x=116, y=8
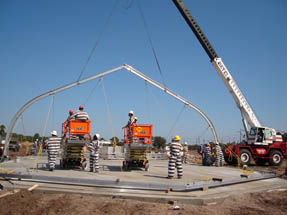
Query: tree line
x=158, y=142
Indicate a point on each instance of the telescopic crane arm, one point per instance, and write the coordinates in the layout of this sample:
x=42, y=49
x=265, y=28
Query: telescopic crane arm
x=220, y=68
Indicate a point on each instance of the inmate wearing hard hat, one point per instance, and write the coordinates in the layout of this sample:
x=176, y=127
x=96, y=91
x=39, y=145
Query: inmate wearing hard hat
x=176, y=138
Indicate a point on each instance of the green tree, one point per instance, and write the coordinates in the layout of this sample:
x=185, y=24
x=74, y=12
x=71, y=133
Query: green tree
x=114, y=139
x=2, y=131
x=159, y=142
x=193, y=147
x=36, y=136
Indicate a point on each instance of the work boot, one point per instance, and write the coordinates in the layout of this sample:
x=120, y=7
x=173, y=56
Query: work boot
x=179, y=177
x=51, y=169
x=169, y=177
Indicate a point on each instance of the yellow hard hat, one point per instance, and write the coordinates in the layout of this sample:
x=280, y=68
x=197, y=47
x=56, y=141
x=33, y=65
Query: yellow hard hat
x=135, y=118
x=176, y=138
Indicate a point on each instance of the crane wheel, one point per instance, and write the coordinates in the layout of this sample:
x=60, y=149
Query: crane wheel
x=276, y=158
x=245, y=156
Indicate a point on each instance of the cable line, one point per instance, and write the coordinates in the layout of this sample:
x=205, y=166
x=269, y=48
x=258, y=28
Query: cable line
x=178, y=116
x=128, y=4
x=109, y=113
x=161, y=110
x=147, y=101
x=151, y=44
x=98, y=39
x=91, y=93
x=204, y=131
x=44, y=131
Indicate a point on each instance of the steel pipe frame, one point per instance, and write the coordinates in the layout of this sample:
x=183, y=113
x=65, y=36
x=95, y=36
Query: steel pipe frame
x=76, y=83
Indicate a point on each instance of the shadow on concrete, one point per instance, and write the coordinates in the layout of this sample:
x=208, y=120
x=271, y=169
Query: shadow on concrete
x=155, y=176
x=112, y=168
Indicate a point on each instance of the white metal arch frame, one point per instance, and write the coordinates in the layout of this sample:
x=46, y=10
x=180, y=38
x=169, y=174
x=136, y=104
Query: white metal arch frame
x=65, y=87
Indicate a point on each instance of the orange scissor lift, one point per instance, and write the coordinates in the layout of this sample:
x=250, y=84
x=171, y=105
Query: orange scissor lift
x=75, y=136
x=138, y=139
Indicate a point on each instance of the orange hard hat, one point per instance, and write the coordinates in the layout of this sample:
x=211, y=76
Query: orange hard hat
x=81, y=107
x=71, y=111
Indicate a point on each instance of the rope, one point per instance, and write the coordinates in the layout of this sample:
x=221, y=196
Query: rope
x=53, y=112
x=109, y=113
x=232, y=153
x=92, y=91
x=147, y=101
x=204, y=131
x=161, y=109
x=98, y=39
x=43, y=132
x=178, y=116
x=128, y=4
x=151, y=44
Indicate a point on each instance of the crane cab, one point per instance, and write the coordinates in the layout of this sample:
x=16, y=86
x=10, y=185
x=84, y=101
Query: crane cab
x=263, y=136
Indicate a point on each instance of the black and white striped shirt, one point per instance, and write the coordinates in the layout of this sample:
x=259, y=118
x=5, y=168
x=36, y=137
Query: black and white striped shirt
x=82, y=115
x=54, y=144
x=175, y=148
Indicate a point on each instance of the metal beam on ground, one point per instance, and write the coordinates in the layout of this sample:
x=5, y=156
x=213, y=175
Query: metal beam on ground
x=117, y=184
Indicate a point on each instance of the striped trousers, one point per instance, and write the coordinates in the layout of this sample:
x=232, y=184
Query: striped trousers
x=175, y=162
x=52, y=157
x=219, y=161
x=94, y=160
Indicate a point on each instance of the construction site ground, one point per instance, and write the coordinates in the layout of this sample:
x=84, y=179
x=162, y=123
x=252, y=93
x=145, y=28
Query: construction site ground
x=264, y=196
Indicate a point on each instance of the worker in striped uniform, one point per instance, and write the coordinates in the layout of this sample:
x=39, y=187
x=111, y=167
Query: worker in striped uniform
x=207, y=159
x=129, y=126
x=219, y=161
x=94, y=153
x=80, y=114
x=53, y=149
x=175, y=160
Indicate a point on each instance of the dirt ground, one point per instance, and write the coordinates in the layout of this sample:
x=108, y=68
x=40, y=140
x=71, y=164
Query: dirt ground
x=26, y=202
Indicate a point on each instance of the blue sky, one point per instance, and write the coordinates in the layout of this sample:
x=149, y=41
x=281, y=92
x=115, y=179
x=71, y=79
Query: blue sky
x=45, y=44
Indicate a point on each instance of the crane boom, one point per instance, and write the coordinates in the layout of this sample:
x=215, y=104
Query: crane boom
x=219, y=66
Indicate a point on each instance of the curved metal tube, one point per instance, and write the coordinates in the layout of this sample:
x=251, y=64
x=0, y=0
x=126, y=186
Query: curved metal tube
x=65, y=87
x=186, y=102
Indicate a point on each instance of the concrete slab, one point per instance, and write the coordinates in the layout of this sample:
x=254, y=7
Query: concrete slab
x=111, y=170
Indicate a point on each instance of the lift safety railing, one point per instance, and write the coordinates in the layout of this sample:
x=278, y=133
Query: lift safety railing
x=93, y=77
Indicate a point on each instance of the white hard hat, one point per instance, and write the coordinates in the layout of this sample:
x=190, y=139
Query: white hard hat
x=54, y=133
x=131, y=112
x=98, y=136
x=185, y=143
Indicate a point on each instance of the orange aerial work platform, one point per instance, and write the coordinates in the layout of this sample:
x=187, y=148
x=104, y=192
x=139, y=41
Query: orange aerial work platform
x=138, y=134
x=75, y=134
x=138, y=140
x=76, y=128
